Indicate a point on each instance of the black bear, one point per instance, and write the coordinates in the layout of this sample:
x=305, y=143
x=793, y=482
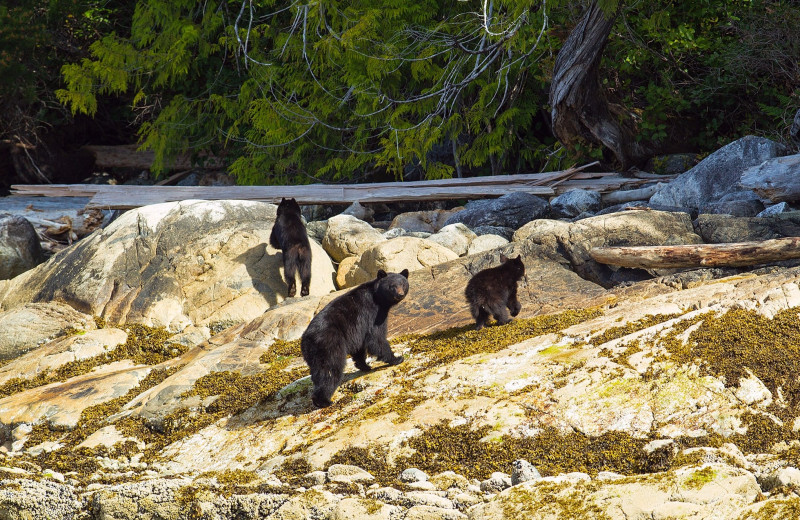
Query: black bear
x=353, y=324
x=289, y=235
x=493, y=291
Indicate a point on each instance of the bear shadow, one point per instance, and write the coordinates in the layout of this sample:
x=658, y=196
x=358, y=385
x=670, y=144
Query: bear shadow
x=259, y=262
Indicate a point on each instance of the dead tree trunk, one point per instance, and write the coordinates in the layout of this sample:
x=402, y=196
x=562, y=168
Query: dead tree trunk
x=580, y=109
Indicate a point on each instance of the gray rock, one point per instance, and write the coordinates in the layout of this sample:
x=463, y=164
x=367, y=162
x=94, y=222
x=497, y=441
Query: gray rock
x=348, y=473
x=426, y=498
x=413, y=475
x=505, y=232
x=717, y=229
x=20, y=249
x=644, y=205
x=575, y=202
x=496, y=483
x=775, y=209
x=512, y=210
x=788, y=476
x=523, y=471
x=717, y=174
x=433, y=513
x=316, y=230
x=775, y=180
x=736, y=208
x=360, y=212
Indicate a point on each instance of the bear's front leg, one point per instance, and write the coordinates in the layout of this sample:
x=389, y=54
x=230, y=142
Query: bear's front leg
x=380, y=349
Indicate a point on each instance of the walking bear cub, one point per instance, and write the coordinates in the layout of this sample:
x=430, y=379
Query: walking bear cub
x=354, y=324
x=289, y=235
x=493, y=292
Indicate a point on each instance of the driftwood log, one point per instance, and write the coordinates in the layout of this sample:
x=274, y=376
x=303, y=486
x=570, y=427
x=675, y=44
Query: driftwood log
x=735, y=254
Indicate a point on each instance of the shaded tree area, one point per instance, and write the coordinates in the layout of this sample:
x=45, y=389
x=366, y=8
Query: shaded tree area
x=391, y=89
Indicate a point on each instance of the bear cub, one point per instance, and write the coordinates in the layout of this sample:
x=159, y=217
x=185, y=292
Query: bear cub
x=289, y=235
x=354, y=324
x=493, y=292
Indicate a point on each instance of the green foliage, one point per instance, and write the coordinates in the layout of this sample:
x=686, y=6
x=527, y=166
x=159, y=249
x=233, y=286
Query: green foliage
x=295, y=93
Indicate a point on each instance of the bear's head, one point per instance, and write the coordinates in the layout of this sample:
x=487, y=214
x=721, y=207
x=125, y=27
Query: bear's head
x=390, y=288
x=288, y=207
x=513, y=266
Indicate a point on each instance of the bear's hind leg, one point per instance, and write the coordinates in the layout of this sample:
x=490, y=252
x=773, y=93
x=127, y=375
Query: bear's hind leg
x=480, y=318
x=360, y=360
x=500, y=314
x=289, y=270
x=304, y=264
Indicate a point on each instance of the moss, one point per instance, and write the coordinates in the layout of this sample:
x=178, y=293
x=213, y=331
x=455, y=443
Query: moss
x=631, y=327
x=281, y=349
x=236, y=477
x=780, y=509
x=700, y=478
x=450, y=345
x=294, y=470
x=556, y=500
x=218, y=326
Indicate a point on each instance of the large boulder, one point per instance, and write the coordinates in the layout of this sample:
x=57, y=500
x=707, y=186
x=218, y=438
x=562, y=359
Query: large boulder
x=174, y=264
x=486, y=243
x=395, y=255
x=629, y=228
x=20, y=249
x=718, y=174
x=348, y=236
x=429, y=221
x=574, y=202
x=775, y=180
x=455, y=237
x=512, y=210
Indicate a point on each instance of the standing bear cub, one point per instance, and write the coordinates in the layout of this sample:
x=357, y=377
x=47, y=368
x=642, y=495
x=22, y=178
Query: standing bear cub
x=289, y=235
x=354, y=324
x=493, y=292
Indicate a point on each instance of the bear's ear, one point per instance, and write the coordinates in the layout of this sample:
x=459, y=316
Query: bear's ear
x=503, y=258
x=404, y=272
x=381, y=274
x=283, y=199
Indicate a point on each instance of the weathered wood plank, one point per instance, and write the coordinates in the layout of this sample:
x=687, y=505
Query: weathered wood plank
x=735, y=254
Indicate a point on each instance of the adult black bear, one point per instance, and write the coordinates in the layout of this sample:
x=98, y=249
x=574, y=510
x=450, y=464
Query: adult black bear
x=493, y=292
x=289, y=235
x=353, y=324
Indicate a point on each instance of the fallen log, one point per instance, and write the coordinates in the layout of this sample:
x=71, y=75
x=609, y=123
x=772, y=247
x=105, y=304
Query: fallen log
x=620, y=197
x=735, y=254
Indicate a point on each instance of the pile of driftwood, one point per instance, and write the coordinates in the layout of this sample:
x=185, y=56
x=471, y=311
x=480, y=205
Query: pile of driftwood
x=614, y=187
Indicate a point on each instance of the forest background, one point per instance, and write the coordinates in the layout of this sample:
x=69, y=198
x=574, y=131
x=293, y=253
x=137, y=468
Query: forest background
x=363, y=90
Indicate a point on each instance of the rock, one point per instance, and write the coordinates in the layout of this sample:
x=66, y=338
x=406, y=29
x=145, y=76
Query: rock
x=427, y=221
x=58, y=352
x=775, y=209
x=368, y=509
x=574, y=202
x=486, y=243
x=350, y=267
x=309, y=504
x=455, y=237
x=348, y=473
x=753, y=391
x=512, y=210
x=23, y=499
x=174, y=264
x=717, y=229
x=316, y=478
x=738, y=203
x=349, y=236
x=505, y=232
x=395, y=255
x=360, y=212
x=386, y=494
x=631, y=228
x=423, y=498
x=775, y=180
x=447, y=480
x=28, y=326
x=433, y=513
x=523, y=471
x=788, y=476
x=316, y=230
x=496, y=483
x=421, y=486
x=718, y=174
x=20, y=249
x=413, y=475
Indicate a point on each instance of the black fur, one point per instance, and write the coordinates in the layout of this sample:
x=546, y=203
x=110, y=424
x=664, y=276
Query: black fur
x=354, y=324
x=289, y=235
x=493, y=292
